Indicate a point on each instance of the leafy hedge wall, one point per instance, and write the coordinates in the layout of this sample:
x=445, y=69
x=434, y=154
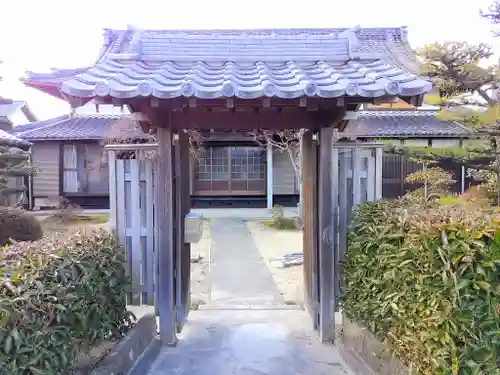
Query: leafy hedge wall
x=58, y=297
x=426, y=278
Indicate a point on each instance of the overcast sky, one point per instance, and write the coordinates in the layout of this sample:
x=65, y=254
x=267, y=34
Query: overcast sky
x=39, y=35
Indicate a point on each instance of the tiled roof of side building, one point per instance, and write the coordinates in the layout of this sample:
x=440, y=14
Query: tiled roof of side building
x=80, y=127
x=7, y=139
x=8, y=107
x=247, y=64
x=404, y=123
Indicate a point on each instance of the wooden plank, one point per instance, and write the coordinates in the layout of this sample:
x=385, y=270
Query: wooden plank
x=185, y=250
x=296, y=118
x=310, y=234
x=343, y=202
x=150, y=235
x=166, y=296
x=356, y=176
x=179, y=236
x=112, y=190
x=335, y=204
x=121, y=219
x=379, y=153
x=371, y=182
x=326, y=240
x=136, y=250
x=156, y=219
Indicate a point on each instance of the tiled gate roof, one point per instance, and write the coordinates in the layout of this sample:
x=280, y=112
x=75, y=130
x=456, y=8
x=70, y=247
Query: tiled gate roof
x=249, y=64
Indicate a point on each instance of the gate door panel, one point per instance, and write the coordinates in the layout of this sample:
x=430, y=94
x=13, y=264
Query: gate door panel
x=182, y=253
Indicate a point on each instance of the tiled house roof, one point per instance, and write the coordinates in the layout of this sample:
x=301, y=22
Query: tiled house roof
x=285, y=63
x=402, y=123
x=9, y=107
x=80, y=127
x=7, y=139
x=370, y=124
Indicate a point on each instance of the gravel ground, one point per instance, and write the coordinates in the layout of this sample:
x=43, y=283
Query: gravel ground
x=274, y=243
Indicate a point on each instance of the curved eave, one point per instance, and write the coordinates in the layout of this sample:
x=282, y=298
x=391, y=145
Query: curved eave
x=289, y=80
x=48, y=88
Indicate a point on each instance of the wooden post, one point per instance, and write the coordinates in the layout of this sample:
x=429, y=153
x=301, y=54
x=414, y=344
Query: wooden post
x=327, y=234
x=379, y=153
x=182, y=250
x=166, y=296
x=269, y=179
x=356, y=176
x=150, y=235
x=310, y=233
x=343, y=202
x=112, y=190
x=134, y=206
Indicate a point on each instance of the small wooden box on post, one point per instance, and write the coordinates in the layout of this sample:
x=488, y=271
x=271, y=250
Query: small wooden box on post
x=243, y=80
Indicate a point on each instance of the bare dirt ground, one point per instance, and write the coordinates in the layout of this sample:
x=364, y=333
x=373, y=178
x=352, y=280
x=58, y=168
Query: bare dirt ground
x=274, y=243
x=74, y=223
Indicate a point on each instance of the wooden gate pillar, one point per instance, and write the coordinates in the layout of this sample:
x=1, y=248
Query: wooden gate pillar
x=327, y=230
x=182, y=206
x=165, y=233
x=310, y=234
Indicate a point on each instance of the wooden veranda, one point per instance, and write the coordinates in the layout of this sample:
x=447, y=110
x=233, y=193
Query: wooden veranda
x=265, y=79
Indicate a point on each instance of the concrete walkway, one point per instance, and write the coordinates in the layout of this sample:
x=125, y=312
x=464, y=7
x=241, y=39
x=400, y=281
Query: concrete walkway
x=238, y=274
x=245, y=329
x=251, y=342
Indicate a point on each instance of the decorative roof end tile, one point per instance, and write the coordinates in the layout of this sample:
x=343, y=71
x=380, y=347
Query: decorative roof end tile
x=353, y=42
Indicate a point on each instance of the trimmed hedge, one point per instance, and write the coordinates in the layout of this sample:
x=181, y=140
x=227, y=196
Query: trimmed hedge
x=58, y=297
x=426, y=279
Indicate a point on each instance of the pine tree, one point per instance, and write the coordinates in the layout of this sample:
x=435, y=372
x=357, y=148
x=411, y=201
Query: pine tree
x=14, y=162
x=458, y=71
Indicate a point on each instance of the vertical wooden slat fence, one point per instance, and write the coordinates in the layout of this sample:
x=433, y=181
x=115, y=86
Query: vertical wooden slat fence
x=358, y=170
x=132, y=216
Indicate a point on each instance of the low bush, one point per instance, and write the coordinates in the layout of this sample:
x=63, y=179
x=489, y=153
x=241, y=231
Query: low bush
x=279, y=221
x=17, y=225
x=58, y=298
x=426, y=279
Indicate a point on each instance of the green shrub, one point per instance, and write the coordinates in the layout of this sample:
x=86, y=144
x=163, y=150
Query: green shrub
x=279, y=220
x=18, y=225
x=426, y=279
x=58, y=297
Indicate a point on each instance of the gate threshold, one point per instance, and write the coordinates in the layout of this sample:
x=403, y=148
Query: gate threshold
x=249, y=307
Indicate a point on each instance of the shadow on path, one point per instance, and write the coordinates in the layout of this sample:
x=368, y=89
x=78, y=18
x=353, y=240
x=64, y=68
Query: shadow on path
x=251, y=342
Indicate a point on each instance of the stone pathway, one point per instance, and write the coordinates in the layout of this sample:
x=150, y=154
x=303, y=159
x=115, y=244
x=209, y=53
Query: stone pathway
x=249, y=342
x=245, y=329
x=237, y=272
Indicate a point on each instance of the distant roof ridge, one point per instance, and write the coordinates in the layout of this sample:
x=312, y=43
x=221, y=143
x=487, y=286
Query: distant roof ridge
x=385, y=32
x=128, y=43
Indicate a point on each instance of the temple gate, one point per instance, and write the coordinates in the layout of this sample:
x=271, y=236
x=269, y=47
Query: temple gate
x=244, y=79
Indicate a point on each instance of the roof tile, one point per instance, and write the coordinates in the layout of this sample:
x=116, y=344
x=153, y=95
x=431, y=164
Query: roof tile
x=80, y=127
x=403, y=123
x=248, y=64
x=8, y=107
